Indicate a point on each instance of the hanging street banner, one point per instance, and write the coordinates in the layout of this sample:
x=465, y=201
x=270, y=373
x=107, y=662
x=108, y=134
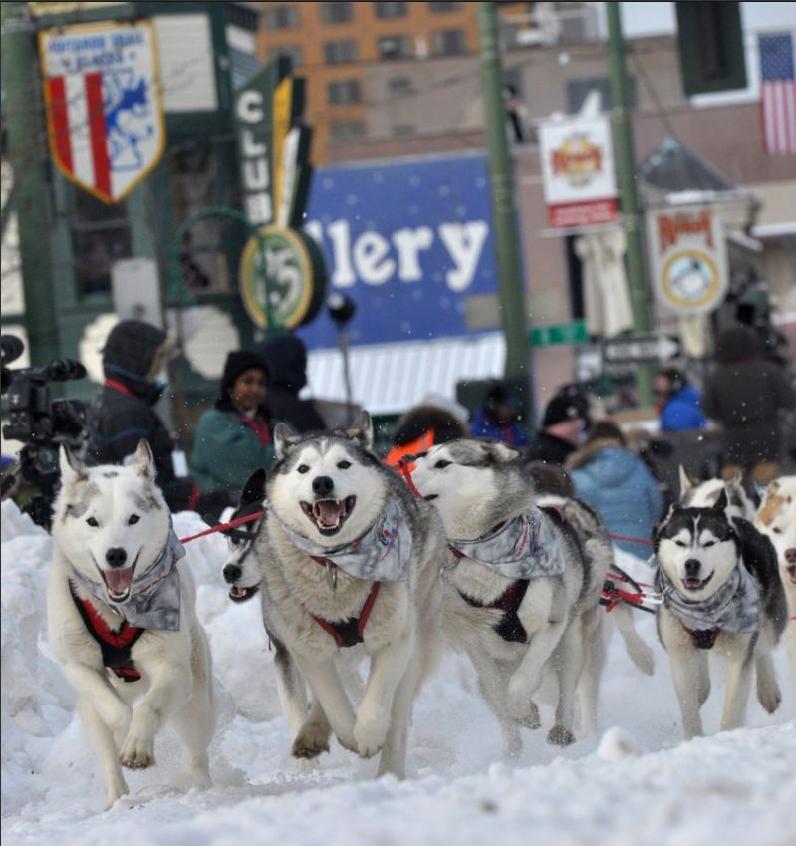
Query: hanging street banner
x=104, y=111
x=688, y=255
x=282, y=273
x=578, y=170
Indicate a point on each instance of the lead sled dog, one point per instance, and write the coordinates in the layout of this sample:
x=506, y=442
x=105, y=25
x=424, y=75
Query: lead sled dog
x=122, y=619
x=347, y=557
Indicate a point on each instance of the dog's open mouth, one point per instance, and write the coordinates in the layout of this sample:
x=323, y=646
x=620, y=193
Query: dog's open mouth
x=696, y=584
x=118, y=583
x=241, y=594
x=329, y=514
x=792, y=573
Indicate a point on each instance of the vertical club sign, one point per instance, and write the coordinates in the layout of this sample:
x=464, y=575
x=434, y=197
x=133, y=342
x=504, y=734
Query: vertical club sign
x=282, y=274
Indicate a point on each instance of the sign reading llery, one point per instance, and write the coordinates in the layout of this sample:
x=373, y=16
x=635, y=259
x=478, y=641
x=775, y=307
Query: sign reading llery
x=689, y=258
x=578, y=169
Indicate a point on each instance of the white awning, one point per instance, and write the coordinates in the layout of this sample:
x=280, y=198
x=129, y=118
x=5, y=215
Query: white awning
x=390, y=378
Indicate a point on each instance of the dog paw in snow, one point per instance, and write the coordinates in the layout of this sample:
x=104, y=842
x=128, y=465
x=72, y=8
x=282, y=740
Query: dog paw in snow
x=369, y=735
x=560, y=736
x=311, y=740
x=138, y=753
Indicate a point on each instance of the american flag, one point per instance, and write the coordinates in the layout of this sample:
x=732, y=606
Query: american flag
x=778, y=92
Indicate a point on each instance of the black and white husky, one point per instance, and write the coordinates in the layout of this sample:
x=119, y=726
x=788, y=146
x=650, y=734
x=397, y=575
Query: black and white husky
x=122, y=618
x=523, y=582
x=348, y=557
x=704, y=494
x=720, y=586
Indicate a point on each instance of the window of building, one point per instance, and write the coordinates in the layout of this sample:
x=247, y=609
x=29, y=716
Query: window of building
x=395, y=47
x=579, y=89
x=399, y=85
x=340, y=52
x=344, y=91
x=337, y=12
x=293, y=51
x=101, y=235
x=448, y=42
x=440, y=6
x=281, y=17
x=343, y=130
x=390, y=10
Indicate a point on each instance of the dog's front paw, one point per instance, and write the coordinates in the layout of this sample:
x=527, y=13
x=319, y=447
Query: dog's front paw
x=531, y=720
x=521, y=706
x=769, y=696
x=311, y=740
x=138, y=752
x=369, y=735
x=560, y=736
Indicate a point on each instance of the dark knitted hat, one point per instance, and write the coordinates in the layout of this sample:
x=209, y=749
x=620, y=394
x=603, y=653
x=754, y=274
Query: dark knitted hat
x=563, y=408
x=238, y=361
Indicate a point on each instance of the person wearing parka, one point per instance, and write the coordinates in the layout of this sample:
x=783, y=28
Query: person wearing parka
x=123, y=414
x=745, y=394
x=619, y=486
x=234, y=438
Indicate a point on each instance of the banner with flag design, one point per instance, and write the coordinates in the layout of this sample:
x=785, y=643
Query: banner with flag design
x=778, y=92
x=104, y=111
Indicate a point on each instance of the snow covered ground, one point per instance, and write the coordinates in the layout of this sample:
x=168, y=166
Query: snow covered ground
x=633, y=783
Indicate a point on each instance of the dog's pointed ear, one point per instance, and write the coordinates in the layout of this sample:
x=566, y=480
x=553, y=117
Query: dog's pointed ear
x=771, y=490
x=505, y=453
x=254, y=488
x=686, y=483
x=362, y=430
x=143, y=462
x=736, y=481
x=722, y=503
x=72, y=469
x=284, y=438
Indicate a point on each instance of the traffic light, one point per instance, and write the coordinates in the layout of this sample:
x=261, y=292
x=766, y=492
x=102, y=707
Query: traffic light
x=710, y=43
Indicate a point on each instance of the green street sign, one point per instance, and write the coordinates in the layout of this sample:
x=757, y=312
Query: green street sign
x=561, y=333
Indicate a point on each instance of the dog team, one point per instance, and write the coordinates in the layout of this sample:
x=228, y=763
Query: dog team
x=352, y=560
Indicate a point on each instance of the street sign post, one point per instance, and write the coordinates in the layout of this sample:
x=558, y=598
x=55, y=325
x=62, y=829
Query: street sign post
x=560, y=333
x=645, y=348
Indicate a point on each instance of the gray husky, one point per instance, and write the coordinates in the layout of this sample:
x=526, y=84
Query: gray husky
x=348, y=557
x=720, y=586
x=524, y=581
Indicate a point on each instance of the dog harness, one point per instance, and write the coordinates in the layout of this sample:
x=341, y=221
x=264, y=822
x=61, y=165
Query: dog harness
x=116, y=646
x=350, y=632
x=735, y=608
x=509, y=626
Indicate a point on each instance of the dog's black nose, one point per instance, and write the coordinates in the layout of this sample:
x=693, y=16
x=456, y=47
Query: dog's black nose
x=116, y=557
x=322, y=485
x=790, y=555
x=232, y=573
x=692, y=567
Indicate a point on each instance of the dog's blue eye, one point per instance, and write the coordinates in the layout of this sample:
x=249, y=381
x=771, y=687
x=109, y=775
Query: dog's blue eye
x=92, y=522
x=303, y=468
x=344, y=465
x=442, y=463
x=133, y=520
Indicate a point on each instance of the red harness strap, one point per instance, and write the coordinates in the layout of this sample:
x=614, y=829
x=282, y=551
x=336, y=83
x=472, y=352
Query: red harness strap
x=351, y=632
x=405, y=468
x=702, y=638
x=509, y=626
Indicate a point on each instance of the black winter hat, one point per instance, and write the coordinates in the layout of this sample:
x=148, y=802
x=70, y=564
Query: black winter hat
x=563, y=408
x=130, y=348
x=239, y=361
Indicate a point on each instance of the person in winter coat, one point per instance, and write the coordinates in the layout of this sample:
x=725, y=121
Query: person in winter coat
x=745, y=395
x=678, y=402
x=434, y=421
x=134, y=355
x=565, y=419
x=234, y=438
x=497, y=419
x=619, y=486
x=286, y=359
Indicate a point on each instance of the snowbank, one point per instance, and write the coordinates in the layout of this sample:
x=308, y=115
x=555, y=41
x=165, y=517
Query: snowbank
x=636, y=783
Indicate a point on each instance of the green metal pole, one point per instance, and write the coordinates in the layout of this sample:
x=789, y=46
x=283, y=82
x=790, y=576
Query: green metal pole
x=504, y=213
x=28, y=156
x=628, y=190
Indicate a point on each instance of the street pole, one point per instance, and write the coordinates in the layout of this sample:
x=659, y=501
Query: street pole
x=504, y=213
x=628, y=190
x=28, y=156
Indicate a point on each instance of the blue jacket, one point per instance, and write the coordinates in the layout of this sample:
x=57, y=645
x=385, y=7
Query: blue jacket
x=621, y=489
x=513, y=434
x=682, y=411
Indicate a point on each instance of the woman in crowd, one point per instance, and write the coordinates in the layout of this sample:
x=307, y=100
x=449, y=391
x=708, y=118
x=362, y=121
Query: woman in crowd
x=234, y=438
x=619, y=486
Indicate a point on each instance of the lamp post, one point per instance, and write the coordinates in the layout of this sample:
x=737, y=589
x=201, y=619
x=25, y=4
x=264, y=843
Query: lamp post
x=341, y=310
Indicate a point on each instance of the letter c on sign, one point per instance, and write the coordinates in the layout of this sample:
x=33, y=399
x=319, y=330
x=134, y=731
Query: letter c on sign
x=250, y=107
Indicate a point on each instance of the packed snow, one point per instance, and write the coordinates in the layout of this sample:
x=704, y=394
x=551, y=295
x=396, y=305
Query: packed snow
x=632, y=782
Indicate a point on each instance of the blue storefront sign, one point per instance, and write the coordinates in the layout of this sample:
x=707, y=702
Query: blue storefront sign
x=408, y=241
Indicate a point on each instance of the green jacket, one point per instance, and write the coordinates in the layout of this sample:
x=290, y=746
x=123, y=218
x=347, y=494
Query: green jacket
x=225, y=452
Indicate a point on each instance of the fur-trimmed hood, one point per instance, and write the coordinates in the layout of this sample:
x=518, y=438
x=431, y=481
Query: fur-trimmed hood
x=584, y=454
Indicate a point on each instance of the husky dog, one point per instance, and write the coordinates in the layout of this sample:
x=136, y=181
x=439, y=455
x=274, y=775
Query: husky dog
x=524, y=583
x=122, y=618
x=718, y=577
x=704, y=494
x=347, y=556
x=777, y=520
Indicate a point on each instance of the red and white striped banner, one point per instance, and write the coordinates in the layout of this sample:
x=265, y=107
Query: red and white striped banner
x=103, y=105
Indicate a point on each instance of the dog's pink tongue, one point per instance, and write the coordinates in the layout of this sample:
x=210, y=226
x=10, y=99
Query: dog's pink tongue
x=329, y=511
x=119, y=581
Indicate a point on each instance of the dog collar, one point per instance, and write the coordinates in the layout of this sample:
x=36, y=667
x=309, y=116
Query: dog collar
x=380, y=555
x=522, y=548
x=154, y=602
x=735, y=607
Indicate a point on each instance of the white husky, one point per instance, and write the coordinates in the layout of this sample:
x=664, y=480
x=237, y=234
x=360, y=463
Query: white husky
x=122, y=619
x=349, y=557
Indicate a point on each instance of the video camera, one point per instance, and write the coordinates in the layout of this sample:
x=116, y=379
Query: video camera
x=40, y=423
